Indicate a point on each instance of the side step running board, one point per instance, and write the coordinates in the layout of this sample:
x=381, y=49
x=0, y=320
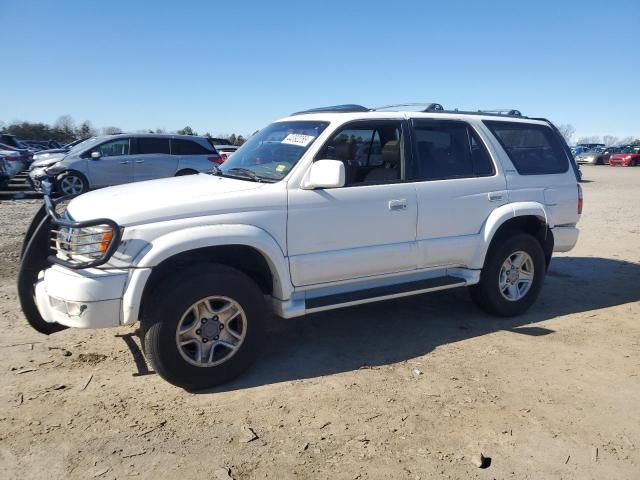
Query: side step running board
x=382, y=293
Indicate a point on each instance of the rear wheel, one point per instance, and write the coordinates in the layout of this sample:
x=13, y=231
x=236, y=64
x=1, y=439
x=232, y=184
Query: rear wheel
x=512, y=276
x=633, y=163
x=204, y=328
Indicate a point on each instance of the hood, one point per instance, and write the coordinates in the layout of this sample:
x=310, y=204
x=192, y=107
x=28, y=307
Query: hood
x=167, y=199
x=46, y=160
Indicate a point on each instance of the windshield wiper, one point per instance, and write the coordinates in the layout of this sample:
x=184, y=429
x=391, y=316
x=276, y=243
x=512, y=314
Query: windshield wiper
x=248, y=173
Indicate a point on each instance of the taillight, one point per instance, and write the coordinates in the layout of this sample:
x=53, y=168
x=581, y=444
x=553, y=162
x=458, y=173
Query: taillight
x=580, y=200
x=224, y=157
x=216, y=159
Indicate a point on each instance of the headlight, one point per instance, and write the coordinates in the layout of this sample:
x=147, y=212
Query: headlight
x=85, y=244
x=54, y=169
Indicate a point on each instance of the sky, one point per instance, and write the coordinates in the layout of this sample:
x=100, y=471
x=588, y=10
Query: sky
x=224, y=67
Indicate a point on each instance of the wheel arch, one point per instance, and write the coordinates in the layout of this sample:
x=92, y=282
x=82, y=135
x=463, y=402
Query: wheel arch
x=73, y=171
x=529, y=217
x=244, y=247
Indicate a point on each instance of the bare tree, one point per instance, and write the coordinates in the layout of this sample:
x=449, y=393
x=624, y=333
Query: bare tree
x=591, y=139
x=567, y=130
x=111, y=130
x=609, y=140
x=626, y=140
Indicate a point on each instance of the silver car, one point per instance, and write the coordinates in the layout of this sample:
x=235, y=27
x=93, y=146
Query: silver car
x=124, y=158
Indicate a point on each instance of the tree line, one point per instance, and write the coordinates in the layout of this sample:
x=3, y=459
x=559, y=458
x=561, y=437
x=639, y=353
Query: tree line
x=65, y=130
x=568, y=131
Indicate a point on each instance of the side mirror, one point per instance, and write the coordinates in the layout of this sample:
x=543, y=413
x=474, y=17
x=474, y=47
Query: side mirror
x=325, y=174
x=95, y=155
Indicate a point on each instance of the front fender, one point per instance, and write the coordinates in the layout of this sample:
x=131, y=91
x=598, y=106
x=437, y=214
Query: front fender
x=184, y=240
x=497, y=218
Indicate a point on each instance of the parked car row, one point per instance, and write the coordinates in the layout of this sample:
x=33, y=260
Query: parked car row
x=117, y=159
x=627, y=155
x=13, y=159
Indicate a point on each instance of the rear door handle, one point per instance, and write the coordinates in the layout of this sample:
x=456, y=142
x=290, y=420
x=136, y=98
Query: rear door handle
x=400, y=204
x=495, y=196
x=123, y=163
x=139, y=161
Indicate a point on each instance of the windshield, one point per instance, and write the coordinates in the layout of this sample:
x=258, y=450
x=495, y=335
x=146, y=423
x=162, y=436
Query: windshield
x=272, y=152
x=84, y=144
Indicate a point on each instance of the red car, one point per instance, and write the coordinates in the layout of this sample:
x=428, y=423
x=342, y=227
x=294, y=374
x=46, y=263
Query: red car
x=628, y=157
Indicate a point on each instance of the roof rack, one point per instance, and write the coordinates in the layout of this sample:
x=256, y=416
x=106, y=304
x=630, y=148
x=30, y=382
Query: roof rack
x=349, y=107
x=429, y=107
x=505, y=111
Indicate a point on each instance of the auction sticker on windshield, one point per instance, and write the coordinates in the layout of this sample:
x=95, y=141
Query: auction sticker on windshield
x=298, y=139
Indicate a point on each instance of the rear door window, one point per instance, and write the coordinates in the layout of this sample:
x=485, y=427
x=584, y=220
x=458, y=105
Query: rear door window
x=148, y=145
x=446, y=149
x=181, y=146
x=533, y=149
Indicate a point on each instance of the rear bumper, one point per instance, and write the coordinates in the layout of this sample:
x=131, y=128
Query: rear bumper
x=564, y=238
x=89, y=298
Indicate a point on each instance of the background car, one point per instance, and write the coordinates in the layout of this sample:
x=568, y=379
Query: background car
x=224, y=147
x=14, y=161
x=596, y=156
x=125, y=158
x=25, y=154
x=628, y=157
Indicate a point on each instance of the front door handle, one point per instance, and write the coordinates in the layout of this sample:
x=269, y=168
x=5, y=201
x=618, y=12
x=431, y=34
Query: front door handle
x=139, y=161
x=400, y=204
x=123, y=163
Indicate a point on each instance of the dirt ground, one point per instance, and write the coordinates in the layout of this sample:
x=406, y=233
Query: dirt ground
x=411, y=388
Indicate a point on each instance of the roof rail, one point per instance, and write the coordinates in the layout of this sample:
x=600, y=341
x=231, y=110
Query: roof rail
x=349, y=107
x=429, y=107
x=504, y=111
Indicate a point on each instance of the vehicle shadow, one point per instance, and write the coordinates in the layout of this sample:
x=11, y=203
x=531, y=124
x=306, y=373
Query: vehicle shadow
x=396, y=330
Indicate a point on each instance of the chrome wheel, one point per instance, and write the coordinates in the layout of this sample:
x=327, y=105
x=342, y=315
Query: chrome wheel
x=211, y=331
x=71, y=185
x=516, y=276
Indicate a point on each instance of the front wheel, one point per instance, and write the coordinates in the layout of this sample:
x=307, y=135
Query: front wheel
x=72, y=184
x=205, y=327
x=512, y=276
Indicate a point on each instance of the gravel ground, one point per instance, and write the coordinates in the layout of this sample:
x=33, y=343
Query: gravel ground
x=411, y=388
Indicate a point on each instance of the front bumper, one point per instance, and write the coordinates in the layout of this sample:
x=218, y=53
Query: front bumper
x=564, y=238
x=89, y=298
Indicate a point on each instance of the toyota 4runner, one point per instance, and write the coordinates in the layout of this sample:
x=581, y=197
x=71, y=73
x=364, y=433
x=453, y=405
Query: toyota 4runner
x=326, y=208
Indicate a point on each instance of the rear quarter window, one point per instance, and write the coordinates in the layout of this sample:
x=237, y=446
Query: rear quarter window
x=533, y=149
x=189, y=147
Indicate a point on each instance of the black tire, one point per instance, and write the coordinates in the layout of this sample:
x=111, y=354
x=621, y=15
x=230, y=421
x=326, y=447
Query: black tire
x=174, y=298
x=487, y=294
x=74, y=177
x=182, y=173
x=633, y=163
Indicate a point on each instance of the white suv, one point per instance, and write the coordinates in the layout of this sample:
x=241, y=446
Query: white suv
x=320, y=210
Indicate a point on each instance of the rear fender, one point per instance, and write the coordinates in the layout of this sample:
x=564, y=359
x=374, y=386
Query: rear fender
x=497, y=218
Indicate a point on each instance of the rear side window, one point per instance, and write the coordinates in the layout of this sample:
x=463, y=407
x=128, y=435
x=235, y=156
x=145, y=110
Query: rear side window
x=533, y=149
x=448, y=149
x=153, y=145
x=188, y=147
